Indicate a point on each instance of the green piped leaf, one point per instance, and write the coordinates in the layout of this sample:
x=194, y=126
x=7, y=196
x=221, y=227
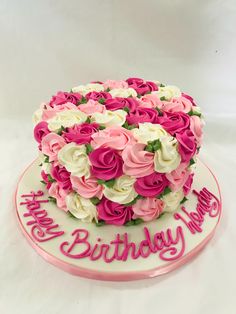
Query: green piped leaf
x=191, y=162
x=100, y=223
x=194, y=113
x=52, y=199
x=108, y=183
x=95, y=200
x=89, y=149
x=102, y=100
x=183, y=200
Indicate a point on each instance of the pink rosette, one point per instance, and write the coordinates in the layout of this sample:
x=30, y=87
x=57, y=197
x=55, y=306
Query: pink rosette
x=148, y=209
x=45, y=179
x=63, y=97
x=178, y=177
x=175, y=122
x=87, y=188
x=179, y=104
x=59, y=194
x=141, y=115
x=187, y=145
x=120, y=103
x=142, y=87
x=151, y=101
x=62, y=176
x=111, y=84
x=189, y=98
x=40, y=130
x=188, y=184
x=51, y=144
x=80, y=133
x=97, y=95
x=113, y=213
x=114, y=137
x=92, y=106
x=50, y=112
x=151, y=185
x=137, y=161
x=196, y=126
x=106, y=163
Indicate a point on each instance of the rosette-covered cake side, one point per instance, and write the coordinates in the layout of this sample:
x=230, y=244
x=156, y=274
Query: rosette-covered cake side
x=118, y=152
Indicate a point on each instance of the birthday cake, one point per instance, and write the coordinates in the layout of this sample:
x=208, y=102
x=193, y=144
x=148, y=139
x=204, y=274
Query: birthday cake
x=117, y=191
x=119, y=152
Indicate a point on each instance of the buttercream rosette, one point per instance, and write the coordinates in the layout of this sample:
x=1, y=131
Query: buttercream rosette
x=118, y=152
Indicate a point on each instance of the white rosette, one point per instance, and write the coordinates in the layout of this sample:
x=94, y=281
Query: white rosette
x=81, y=208
x=66, y=118
x=85, y=89
x=148, y=132
x=123, y=92
x=167, y=158
x=74, y=158
x=109, y=118
x=168, y=91
x=123, y=191
x=172, y=201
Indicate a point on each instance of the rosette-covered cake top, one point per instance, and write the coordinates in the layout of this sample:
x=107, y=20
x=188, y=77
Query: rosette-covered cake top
x=118, y=152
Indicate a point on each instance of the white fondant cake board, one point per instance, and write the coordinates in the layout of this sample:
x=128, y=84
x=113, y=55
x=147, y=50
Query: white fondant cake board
x=130, y=269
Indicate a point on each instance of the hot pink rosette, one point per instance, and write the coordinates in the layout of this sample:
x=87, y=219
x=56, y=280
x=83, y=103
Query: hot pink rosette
x=148, y=209
x=63, y=97
x=151, y=185
x=62, y=176
x=151, y=101
x=59, y=194
x=106, y=163
x=178, y=104
x=141, y=115
x=97, y=95
x=40, y=130
x=178, y=177
x=120, y=103
x=114, y=137
x=137, y=161
x=187, y=145
x=189, y=98
x=45, y=179
x=142, y=87
x=80, y=133
x=87, y=188
x=50, y=112
x=175, y=122
x=188, y=184
x=111, y=84
x=196, y=125
x=92, y=106
x=113, y=213
x=51, y=144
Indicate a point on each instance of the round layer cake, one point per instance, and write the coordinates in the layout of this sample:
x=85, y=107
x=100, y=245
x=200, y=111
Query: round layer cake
x=118, y=152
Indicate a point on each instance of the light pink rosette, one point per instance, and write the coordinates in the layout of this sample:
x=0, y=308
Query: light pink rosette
x=50, y=112
x=59, y=194
x=179, y=104
x=151, y=101
x=148, y=209
x=115, y=84
x=196, y=125
x=178, y=177
x=87, y=188
x=51, y=144
x=92, y=106
x=137, y=161
x=114, y=137
x=188, y=184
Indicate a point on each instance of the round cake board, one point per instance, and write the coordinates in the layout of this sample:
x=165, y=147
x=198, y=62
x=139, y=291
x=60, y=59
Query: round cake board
x=118, y=253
